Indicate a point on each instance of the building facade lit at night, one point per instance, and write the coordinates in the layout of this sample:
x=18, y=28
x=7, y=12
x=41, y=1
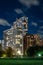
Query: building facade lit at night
x=13, y=37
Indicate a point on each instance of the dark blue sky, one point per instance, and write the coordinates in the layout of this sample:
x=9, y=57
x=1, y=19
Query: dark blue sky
x=12, y=9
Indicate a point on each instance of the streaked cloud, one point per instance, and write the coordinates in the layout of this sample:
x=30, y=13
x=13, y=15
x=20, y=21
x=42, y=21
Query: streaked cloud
x=18, y=11
x=34, y=24
x=41, y=35
x=4, y=22
x=40, y=31
x=29, y=3
x=41, y=21
x=41, y=27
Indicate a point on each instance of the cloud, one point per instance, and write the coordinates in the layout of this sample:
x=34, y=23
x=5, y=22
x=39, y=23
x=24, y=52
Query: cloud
x=4, y=22
x=18, y=11
x=34, y=24
x=41, y=35
x=41, y=27
x=42, y=8
x=29, y=3
x=40, y=32
x=40, y=21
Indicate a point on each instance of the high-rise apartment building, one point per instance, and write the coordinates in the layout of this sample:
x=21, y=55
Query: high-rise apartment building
x=20, y=29
x=13, y=37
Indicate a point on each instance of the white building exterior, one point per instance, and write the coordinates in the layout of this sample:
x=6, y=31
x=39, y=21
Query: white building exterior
x=13, y=37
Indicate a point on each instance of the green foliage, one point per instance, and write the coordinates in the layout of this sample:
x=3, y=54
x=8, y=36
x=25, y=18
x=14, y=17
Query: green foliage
x=31, y=51
x=1, y=51
x=9, y=52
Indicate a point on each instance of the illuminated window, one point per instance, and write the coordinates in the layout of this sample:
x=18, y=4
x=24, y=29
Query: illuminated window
x=17, y=41
x=7, y=38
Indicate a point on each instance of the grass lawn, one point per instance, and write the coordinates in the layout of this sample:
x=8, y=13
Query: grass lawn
x=21, y=61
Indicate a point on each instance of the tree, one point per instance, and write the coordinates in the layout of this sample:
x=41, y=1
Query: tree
x=30, y=52
x=1, y=50
x=9, y=52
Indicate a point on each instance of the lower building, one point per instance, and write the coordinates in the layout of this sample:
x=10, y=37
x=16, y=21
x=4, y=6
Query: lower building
x=29, y=41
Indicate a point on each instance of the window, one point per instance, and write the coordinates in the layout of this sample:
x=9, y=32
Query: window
x=17, y=41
